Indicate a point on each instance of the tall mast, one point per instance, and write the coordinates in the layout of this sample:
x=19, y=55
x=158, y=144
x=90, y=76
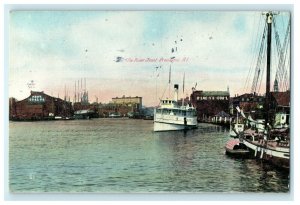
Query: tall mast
x=78, y=91
x=269, y=40
x=65, y=93
x=75, y=93
x=183, y=89
x=169, y=80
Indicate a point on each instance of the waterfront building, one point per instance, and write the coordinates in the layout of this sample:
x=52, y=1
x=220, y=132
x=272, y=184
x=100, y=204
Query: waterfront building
x=39, y=106
x=209, y=103
x=280, y=107
x=247, y=102
x=254, y=104
x=280, y=101
x=121, y=106
x=134, y=102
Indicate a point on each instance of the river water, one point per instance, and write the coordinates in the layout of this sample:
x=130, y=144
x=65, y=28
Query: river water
x=125, y=155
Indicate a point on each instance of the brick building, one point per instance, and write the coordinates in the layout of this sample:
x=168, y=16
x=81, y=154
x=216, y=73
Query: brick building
x=247, y=102
x=254, y=104
x=209, y=103
x=39, y=106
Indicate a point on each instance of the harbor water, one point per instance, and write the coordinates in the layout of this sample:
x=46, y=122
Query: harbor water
x=125, y=155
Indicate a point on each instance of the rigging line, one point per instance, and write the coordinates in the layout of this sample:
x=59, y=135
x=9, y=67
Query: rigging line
x=257, y=70
x=252, y=49
x=252, y=65
x=279, y=72
x=287, y=87
x=259, y=33
x=284, y=68
x=258, y=64
x=263, y=69
x=288, y=54
x=289, y=71
x=164, y=93
x=253, y=54
x=280, y=69
x=278, y=44
x=282, y=22
x=279, y=51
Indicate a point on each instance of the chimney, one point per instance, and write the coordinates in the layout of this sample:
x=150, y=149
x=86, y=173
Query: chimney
x=176, y=92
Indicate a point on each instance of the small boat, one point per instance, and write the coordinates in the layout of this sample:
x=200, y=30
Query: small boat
x=236, y=148
x=148, y=117
x=83, y=114
x=114, y=115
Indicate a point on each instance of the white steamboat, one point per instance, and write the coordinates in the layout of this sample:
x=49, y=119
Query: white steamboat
x=169, y=115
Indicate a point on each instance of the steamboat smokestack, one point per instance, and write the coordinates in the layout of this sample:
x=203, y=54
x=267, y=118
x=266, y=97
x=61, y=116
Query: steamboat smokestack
x=176, y=92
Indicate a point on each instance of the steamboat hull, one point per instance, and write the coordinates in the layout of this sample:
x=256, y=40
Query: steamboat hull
x=163, y=126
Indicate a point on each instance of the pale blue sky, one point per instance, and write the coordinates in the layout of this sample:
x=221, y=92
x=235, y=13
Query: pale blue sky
x=55, y=49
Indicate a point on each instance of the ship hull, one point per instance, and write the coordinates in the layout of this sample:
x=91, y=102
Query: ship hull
x=162, y=126
x=278, y=157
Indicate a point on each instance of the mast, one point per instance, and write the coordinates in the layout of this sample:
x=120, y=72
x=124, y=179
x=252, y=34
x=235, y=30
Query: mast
x=169, y=80
x=269, y=41
x=183, y=89
x=65, y=93
x=78, y=91
x=75, y=93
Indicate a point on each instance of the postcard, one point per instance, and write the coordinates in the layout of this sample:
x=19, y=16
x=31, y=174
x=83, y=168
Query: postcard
x=149, y=101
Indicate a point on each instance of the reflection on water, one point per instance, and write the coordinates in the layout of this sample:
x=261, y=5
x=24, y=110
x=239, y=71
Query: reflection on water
x=117, y=155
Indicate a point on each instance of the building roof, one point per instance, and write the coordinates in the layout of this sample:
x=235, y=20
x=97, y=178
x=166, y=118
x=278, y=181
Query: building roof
x=33, y=93
x=215, y=93
x=124, y=97
x=222, y=114
x=248, y=96
x=282, y=98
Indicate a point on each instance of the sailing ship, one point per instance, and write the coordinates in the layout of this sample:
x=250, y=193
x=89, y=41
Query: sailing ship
x=266, y=139
x=172, y=116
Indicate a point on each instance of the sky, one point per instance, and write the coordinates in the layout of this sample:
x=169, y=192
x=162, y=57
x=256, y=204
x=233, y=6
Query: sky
x=128, y=52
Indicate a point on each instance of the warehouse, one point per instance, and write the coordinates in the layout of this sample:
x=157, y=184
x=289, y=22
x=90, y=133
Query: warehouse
x=39, y=106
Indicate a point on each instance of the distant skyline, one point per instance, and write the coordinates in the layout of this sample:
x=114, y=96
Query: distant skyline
x=127, y=53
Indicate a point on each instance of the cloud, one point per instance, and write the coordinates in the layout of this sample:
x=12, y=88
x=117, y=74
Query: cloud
x=218, y=45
